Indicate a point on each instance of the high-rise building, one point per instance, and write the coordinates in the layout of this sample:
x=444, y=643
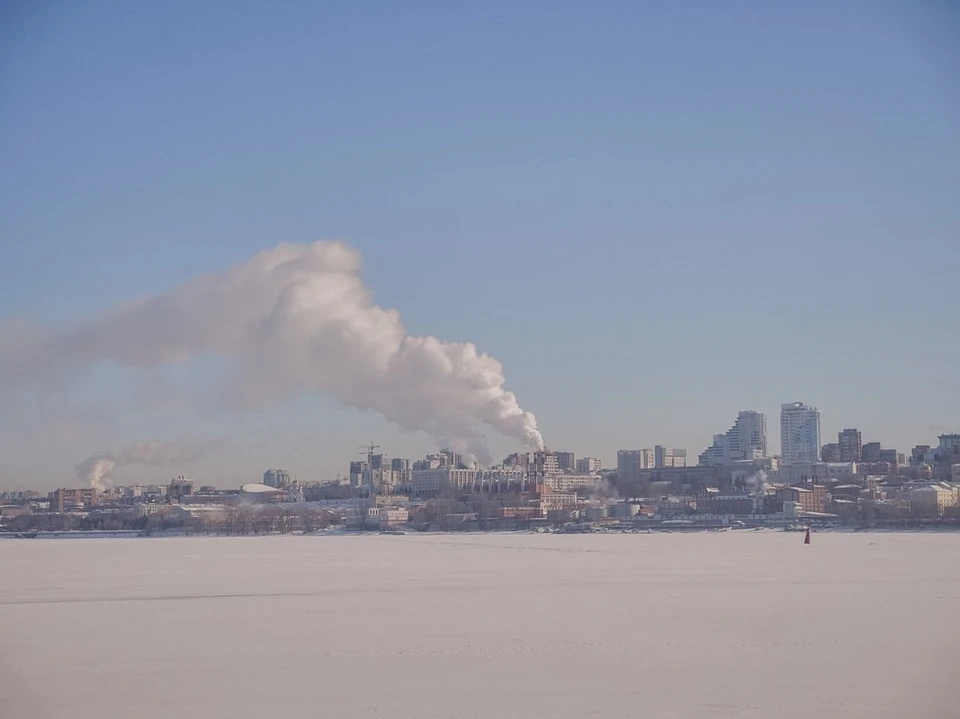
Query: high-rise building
x=920, y=455
x=746, y=439
x=648, y=459
x=181, y=487
x=453, y=459
x=358, y=470
x=830, y=452
x=518, y=459
x=668, y=457
x=431, y=481
x=629, y=464
x=891, y=457
x=850, y=445
x=566, y=461
x=870, y=452
x=544, y=463
x=445, y=458
x=948, y=448
x=276, y=478
x=588, y=465
x=399, y=465
x=799, y=433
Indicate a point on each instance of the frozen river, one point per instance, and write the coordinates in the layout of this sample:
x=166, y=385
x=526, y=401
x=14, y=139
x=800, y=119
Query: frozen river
x=735, y=624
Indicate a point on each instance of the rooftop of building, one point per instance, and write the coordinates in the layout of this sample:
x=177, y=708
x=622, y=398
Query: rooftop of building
x=257, y=488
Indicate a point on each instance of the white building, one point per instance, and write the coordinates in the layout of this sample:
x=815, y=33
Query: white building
x=571, y=482
x=799, y=433
x=432, y=481
x=667, y=457
x=745, y=440
x=799, y=472
x=933, y=499
x=384, y=517
x=557, y=500
x=497, y=478
x=588, y=465
x=544, y=463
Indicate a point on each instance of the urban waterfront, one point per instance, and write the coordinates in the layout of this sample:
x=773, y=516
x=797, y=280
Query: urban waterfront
x=747, y=624
x=735, y=484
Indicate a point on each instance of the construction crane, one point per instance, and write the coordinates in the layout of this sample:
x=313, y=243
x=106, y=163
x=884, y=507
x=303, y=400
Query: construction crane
x=368, y=451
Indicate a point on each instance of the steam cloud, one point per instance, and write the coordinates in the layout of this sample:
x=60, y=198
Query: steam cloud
x=293, y=318
x=758, y=483
x=98, y=469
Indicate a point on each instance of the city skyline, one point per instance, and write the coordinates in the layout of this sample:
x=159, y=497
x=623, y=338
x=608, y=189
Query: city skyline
x=578, y=205
x=545, y=485
x=185, y=453
x=479, y=359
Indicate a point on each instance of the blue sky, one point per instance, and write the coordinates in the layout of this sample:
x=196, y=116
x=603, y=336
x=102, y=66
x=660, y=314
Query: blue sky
x=654, y=214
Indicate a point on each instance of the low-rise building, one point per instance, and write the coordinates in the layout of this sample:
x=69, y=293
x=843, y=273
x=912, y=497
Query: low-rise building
x=739, y=503
x=596, y=513
x=930, y=501
x=571, y=482
x=809, y=497
x=393, y=516
x=850, y=492
x=385, y=517
x=550, y=500
x=203, y=512
x=623, y=510
x=675, y=506
x=262, y=493
x=806, y=472
x=148, y=509
x=65, y=499
x=561, y=515
x=521, y=512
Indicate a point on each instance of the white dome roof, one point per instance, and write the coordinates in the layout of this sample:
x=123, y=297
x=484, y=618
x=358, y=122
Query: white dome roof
x=256, y=488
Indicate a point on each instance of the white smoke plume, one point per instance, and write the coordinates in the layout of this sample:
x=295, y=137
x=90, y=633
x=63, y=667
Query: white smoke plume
x=293, y=318
x=758, y=483
x=604, y=491
x=98, y=469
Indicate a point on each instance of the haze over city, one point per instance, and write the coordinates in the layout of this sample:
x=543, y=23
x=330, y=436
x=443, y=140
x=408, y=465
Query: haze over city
x=647, y=219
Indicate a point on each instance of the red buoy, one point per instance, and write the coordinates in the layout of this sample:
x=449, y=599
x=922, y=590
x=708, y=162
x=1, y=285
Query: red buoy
x=806, y=537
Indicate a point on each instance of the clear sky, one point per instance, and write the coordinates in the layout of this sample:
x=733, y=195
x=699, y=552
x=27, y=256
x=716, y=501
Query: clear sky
x=653, y=214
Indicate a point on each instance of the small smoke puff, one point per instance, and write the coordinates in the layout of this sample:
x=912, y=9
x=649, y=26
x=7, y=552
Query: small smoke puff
x=97, y=470
x=758, y=482
x=294, y=318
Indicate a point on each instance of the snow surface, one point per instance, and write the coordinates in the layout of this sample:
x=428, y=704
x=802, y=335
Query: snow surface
x=735, y=624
